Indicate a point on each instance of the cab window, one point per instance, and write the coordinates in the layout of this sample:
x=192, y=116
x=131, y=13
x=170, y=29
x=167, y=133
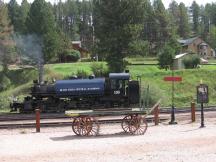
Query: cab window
x=116, y=84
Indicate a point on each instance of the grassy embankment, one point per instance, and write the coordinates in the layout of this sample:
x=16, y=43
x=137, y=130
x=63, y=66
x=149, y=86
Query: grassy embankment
x=185, y=91
x=21, y=79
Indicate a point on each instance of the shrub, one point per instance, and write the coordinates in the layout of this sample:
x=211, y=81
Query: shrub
x=70, y=55
x=82, y=74
x=4, y=82
x=139, y=47
x=191, y=62
x=21, y=76
x=86, y=60
x=165, y=59
x=99, y=69
x=151, y=94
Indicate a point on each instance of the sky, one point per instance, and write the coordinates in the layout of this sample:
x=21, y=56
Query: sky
x=166, y=2
x=187, y=2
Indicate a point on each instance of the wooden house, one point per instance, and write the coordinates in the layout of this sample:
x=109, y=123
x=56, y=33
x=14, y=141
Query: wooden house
x=197, y=45
x=83, y=52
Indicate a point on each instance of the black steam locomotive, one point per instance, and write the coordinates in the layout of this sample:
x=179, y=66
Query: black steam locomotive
x=115, y=91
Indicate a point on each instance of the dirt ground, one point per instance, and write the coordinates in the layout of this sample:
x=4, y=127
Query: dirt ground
x=184, y=142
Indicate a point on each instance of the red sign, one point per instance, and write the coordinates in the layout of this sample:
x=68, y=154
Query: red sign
x=174, y=79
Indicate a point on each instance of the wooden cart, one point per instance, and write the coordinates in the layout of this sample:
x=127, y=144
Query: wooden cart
x=133, y=121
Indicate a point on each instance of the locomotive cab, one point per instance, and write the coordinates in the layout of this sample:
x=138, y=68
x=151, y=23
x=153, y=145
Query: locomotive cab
x=119, y=84
x=123, y=90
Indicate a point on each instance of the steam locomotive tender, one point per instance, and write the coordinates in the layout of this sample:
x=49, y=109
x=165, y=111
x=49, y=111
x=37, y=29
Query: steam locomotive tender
x=115, y=91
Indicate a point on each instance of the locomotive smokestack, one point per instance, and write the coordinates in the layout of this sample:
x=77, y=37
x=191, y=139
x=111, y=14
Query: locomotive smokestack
x=40, y=72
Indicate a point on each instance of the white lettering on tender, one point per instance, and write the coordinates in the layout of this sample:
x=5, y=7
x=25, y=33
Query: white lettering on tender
x=79, y=89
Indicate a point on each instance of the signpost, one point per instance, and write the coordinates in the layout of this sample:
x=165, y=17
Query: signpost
x=173, y=79
x=202, y=97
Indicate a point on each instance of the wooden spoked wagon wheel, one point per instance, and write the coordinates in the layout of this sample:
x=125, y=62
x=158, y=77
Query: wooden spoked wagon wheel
x=85, y=126
x=137, y=125
x=126, y=123
x=75, y=126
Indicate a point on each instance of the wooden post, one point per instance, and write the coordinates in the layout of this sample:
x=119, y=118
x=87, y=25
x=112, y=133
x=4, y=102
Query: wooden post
x=193, y=109
x=37, y=112
x=156, y=115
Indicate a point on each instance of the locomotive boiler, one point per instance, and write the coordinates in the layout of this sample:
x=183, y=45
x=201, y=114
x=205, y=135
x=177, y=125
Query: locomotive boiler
x=115, y=91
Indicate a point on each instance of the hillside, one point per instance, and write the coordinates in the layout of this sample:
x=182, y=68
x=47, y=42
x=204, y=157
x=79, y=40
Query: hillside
x=152, y=76
x=185, y=91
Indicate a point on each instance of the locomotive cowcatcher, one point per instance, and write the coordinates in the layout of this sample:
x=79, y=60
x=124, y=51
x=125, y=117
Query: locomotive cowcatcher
x=115, y=91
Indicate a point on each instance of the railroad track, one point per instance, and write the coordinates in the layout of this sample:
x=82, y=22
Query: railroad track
x=68, y=122
x=8, y=121
x=19, y=117
x=61, y=123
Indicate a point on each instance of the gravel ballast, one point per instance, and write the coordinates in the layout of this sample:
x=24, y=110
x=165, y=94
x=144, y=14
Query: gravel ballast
x=184, y=142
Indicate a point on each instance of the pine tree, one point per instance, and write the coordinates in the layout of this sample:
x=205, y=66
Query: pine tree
x=174, y=16
x=6, y=42
x=85, y=28
x=23, y=13
x=41, y=22
x=183, y=29
x=71, y=19
x=148, y=33
x=211, y=12
x=212, y=37
x=162, y=23
x=13, y=11
x=117, y=23
x=196, y=15
x=204, y=24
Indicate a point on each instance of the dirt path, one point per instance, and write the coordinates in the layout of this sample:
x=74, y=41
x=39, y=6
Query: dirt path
x=184, y=142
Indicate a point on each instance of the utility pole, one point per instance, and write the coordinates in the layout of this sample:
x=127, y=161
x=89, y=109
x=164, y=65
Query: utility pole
x=173, y=106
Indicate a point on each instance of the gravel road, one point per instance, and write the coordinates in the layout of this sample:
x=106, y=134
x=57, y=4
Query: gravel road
x=184, y=142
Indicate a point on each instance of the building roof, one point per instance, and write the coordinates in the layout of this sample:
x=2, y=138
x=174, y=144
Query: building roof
x=180, y=55
x=203, y=44
x=203, y=61
x=76, y=43
x=185, y=42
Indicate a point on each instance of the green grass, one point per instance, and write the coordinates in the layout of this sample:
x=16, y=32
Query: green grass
x=212, y=61
x=71, y=68
x=185, y=91
x=141, y=60
x=20, y=81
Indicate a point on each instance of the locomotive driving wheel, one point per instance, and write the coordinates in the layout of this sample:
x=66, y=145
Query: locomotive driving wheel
x=85, y=126
x=137, y=125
